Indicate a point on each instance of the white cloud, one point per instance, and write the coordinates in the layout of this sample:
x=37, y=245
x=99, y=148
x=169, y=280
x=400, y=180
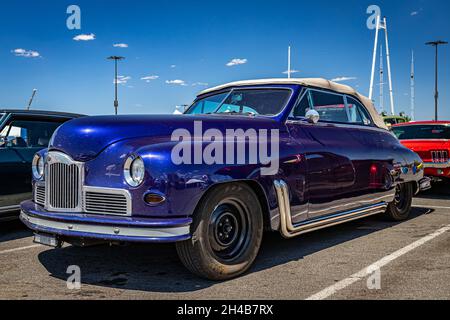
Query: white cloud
x=292, y=71
x=84, y=37
x=120, y=45
x=203, y=84
x=235, y=62
x=149, y=78
x=414, y=13
x=26, y=53
x=173, y=66
x=177, y=82
x=122, y=79
x=342, y=79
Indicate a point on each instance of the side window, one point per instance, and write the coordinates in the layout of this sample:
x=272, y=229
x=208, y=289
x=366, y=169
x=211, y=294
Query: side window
x=28, y=134
x=358, y=113
x=331, y=107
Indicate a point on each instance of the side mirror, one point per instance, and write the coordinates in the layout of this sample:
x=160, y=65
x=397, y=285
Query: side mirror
x=312, y=116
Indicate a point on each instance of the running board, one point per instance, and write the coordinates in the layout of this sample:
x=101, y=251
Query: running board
x=289, y=230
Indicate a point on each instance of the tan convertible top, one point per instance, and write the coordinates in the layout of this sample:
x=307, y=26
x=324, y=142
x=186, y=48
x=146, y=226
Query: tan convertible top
x=310, y=82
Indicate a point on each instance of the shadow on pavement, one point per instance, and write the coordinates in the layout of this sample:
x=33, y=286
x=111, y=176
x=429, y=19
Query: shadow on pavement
x=439, y=190
x=13, y=230
x=156, y=268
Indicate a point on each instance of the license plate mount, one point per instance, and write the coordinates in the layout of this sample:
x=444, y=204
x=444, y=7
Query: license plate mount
x=47, y=240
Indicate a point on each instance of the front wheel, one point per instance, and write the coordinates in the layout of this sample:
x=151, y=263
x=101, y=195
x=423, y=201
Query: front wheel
x=226, y=233
x=400, y=208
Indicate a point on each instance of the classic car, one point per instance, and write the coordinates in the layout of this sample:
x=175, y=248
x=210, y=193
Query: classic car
x=164, y=178
x=22, y=134
x=431, y=141
x=393, y=120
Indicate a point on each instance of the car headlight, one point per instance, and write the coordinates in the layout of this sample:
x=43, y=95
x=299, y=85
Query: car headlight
x=134, y=171
x=38, y=167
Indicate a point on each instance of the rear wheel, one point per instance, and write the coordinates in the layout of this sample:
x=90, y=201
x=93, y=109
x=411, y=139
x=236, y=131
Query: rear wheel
x=227, y=232
x=400, y=208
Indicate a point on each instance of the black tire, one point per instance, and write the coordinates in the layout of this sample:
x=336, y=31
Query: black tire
x=227, y=232
x=400, y=208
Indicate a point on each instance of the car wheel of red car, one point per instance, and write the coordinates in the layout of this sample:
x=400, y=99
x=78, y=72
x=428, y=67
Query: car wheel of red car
x=227, y=232
x=400, y=208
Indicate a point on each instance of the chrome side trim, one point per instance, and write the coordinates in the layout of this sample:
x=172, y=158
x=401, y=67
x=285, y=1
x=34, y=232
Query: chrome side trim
x=9, y=208
x=108, y=230
x=288, y=230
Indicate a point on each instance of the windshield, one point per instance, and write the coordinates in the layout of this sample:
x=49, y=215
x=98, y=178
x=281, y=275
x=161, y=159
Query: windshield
x=1, y=116
x=267, y=102
x=422, y=132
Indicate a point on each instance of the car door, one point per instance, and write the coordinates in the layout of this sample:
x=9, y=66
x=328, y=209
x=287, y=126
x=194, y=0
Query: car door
x=328, y=147
x=22, y=137
x=374, y=158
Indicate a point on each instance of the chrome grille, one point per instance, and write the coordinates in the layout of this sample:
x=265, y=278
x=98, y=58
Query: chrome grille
x=65, y=191
x=440, y=156
x=64, y=182
x=39, y=194
x=106, y=202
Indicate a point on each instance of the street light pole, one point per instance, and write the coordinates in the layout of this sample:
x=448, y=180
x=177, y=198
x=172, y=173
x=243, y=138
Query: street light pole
x=116, y=101
x=436, y=44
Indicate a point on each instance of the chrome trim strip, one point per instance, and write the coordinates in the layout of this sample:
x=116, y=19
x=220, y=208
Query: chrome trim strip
x=108, y=230
x=9, y=208
x=288, y=230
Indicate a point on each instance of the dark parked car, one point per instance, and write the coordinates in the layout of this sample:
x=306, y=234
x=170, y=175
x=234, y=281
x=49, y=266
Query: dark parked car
x=205, y=181
x=22, y=134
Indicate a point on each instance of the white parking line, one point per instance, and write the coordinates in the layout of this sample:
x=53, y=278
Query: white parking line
x=331, y=290
x=20, y=249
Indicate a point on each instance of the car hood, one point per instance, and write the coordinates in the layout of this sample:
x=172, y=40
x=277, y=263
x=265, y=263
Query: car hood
x=83, y=139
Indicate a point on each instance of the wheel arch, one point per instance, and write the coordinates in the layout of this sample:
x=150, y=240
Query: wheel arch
x=256, y=187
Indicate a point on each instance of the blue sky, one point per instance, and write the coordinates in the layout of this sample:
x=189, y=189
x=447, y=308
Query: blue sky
x=193, y=41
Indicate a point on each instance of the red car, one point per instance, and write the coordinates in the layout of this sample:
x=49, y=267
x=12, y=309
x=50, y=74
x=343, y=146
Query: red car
x=431, y=140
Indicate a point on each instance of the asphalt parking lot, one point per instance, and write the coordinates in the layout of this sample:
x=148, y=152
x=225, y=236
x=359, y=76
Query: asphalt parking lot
x=414, y=257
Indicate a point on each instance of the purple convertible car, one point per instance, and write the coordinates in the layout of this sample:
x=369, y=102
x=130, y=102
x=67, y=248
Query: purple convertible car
x=284, y=155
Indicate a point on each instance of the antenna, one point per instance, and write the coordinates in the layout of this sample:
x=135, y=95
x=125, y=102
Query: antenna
x=289, y=63
x=31, y=99
x=413, y=89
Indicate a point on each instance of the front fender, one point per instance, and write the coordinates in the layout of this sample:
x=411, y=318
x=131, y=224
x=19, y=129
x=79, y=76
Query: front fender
x=182, y=185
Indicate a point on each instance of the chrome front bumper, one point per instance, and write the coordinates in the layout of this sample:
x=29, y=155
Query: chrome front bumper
x=423, y=184
x=114, y=229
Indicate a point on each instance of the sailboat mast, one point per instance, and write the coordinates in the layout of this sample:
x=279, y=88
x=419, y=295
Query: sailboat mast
x=381, y=80
x=413, y=89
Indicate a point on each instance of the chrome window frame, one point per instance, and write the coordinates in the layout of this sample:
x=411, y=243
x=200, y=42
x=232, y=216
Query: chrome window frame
x=231, y=90
x=292, y=119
